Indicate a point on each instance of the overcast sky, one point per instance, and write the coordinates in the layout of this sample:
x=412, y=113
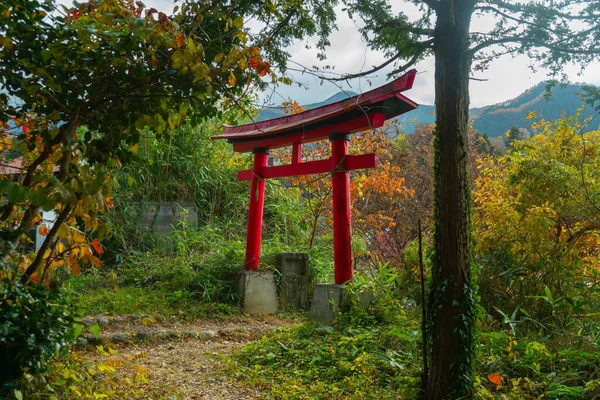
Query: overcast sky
x=506, y=78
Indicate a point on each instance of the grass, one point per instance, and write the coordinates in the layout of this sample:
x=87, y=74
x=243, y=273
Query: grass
x=366, y=356
x=154, y=285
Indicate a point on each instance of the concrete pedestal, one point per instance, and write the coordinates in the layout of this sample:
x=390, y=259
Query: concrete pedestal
x=331, y=299
x=258, y=292
x=293, y=280
x=328, y=301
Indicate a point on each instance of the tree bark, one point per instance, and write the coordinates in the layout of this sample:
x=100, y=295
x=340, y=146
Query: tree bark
x=451, y=302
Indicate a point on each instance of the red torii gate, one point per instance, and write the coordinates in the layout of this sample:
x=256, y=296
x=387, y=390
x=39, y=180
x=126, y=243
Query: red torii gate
x=336, y=121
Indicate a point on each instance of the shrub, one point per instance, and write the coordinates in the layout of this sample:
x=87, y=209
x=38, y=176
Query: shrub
x=36, y=324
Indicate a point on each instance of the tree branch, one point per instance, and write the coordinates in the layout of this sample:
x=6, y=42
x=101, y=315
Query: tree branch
x=397, y=23
x=535, y=43
x=62, y=217
x=425, y=45
x=279, y=26
x=365, y=73
x=518, y=20
x=406, y=66
x=433, y=4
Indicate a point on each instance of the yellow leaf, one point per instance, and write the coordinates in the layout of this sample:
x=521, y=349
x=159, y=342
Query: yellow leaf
x=115, y=363
x=63, y=230
x=232, y=79
x=238, y=22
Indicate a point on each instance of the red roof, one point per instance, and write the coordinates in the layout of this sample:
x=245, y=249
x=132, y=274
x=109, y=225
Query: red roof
x=353, y=115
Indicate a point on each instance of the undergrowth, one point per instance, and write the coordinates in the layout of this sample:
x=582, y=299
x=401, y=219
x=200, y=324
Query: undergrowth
x=78, y=376
x=376, y=354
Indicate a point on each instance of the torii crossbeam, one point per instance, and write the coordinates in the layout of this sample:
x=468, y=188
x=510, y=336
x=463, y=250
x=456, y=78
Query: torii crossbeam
x=335, y=121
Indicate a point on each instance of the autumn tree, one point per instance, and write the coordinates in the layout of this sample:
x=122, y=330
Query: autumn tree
x=537, y=222
x=79, y=83
x=551, y=34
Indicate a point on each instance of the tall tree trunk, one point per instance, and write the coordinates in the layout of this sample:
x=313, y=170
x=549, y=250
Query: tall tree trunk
x=451, y=301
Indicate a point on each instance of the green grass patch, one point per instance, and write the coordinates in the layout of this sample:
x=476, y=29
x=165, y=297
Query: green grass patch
x=131, y=300
x=366, y=356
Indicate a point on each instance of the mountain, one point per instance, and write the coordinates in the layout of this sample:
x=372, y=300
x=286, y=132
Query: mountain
x=276, y=112
x=495, y=119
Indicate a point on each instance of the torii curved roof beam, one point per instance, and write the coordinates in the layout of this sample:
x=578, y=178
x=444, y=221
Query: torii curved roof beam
x=365, y=111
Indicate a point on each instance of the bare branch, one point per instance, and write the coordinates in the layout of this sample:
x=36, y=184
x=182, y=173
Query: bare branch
x=406, y=66
x=369, y=72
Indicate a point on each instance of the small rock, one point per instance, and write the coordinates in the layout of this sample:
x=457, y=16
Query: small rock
x=118, y=320
x=81, y=342
x=119, y=337
x=142, y=335
x=102, y=320
x=209, y=334
x=160, y=334
x=95, y=341
x=172, y=333
x=224, y=332
x=191, y=333
x=87, y=321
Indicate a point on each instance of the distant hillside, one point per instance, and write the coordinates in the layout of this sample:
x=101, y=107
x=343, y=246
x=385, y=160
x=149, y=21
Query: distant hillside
x=275, y=112
x=495, y=119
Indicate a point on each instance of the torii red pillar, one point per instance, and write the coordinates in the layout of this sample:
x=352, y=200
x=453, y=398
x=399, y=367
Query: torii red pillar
x=342, y=222
x=255, y=210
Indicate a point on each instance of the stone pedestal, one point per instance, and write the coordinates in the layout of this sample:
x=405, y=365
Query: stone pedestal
x=331, y=299
x=328, y=301
x=258, y=292
x=293, y=280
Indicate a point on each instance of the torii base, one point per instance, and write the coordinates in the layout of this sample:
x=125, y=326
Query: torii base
x=329, y=300
x=258, y=292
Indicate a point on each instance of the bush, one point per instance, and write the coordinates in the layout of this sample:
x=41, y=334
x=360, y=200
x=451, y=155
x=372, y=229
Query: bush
x=36, y=324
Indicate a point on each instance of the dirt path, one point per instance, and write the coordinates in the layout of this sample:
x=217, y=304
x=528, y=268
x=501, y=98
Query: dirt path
x=184, y=358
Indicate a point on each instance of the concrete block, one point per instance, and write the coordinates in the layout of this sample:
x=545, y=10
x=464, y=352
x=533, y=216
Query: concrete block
x=293, y=280
x=161, y=218
x=366, y=298
x=292, y=263
x=328, y=301
x=258, y=292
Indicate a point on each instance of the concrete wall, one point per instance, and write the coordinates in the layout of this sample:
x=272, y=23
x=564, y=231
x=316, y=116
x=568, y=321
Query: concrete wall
x=161, y=218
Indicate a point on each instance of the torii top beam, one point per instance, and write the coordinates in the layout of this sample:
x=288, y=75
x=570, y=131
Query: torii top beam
x=359, y=113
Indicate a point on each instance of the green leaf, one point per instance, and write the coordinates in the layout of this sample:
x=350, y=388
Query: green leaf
x=548, y=294
x=18, y=394
x=16, y=193
x=38, y=199
x=95, y=329
x=177, y=58
x=78, y=330
x=46, y=55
